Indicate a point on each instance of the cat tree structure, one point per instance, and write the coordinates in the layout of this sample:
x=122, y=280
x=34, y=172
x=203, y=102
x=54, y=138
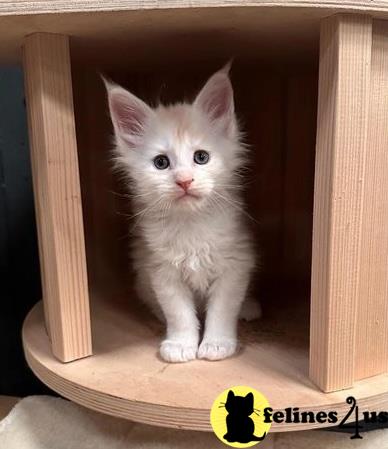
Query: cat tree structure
x=318, y=135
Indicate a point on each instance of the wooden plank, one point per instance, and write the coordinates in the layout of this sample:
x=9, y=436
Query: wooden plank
x=101, y=24
x=161, y=34
x=65, y=6
x=57, y=194
x=344, y=77
x=372, y=320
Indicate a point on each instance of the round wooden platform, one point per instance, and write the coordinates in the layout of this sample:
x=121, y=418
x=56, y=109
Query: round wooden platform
x=125, y=377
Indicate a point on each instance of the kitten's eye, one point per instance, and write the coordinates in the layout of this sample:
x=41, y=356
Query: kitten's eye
x=161, y=162
x=201, y=157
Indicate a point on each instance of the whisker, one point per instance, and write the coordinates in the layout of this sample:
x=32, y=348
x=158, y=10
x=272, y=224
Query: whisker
x=214, y=202
x=144, y=212
x=237, y=205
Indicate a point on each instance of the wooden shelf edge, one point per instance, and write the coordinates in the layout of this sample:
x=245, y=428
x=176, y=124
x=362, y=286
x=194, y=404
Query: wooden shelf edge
x=13, y=8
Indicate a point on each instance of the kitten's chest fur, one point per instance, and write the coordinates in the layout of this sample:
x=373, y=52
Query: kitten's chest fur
x=196, y=256
x=197, y=249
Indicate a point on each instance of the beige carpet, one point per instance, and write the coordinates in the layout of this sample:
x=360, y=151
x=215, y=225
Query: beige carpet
x=41, y=422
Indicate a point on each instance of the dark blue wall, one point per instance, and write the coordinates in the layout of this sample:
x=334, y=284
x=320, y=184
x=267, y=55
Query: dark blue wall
x=19, y=263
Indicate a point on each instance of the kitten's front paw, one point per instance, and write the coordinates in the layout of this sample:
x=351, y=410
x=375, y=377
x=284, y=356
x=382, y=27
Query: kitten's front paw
x=177, y=351
x=217, y=349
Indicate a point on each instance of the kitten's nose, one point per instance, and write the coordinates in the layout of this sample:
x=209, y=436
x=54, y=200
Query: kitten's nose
x=185, y=184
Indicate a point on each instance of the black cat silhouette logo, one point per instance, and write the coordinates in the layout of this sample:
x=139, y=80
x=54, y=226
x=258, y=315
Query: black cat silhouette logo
x=238, y=422
x=237, y=419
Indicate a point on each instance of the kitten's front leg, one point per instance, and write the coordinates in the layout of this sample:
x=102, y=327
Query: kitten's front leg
x=226, y=296
x=177, y=303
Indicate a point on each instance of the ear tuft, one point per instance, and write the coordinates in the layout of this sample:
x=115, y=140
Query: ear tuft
x=129, y=114
x=216, y=100
x=227, y=67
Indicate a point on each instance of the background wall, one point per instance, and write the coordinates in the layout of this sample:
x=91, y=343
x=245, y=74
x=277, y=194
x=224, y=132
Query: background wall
x=19, y=263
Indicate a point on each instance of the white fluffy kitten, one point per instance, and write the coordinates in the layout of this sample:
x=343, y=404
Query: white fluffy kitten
x=192, y=246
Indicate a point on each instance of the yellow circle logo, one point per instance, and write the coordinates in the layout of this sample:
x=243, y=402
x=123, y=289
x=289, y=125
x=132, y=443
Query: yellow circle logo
x=237, y=417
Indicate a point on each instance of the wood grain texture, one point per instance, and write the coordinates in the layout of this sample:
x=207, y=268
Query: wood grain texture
x=344, y=78
x=125, y=378
x=57, y=194
x=134, y=38
x=64, y=6
x=372, y=319
x=130, y=26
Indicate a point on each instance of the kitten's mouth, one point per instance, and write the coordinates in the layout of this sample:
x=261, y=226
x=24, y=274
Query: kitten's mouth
x=188, y=195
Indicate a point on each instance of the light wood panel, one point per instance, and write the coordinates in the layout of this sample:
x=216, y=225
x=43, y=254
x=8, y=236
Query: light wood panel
x=106, y=30
x=372, y=319
x=57, y=194
x=152, y=37
x=117, y=20
x=63, y=6
x=344, y=78
x=125, y=377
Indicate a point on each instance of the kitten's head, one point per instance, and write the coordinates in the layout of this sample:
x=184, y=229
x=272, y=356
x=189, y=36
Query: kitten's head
x=179, y=156
x=239, y=405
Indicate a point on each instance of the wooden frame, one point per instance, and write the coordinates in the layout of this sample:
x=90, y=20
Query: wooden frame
x=57, y=194
x=349, y=284
x=345, y=87
x=371, y=356
x=340, y=158
x=349, y=310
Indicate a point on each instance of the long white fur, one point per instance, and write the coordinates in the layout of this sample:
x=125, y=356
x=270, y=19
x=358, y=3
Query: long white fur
x=191, y=251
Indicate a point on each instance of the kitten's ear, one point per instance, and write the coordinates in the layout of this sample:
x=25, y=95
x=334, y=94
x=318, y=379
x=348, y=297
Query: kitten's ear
x=249, y=397
x=129, y=114
x=216, y=100
x=230, y=395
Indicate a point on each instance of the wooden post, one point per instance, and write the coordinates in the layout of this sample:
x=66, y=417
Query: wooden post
x=372, y=319
x=344, y=81
x=57, y=194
